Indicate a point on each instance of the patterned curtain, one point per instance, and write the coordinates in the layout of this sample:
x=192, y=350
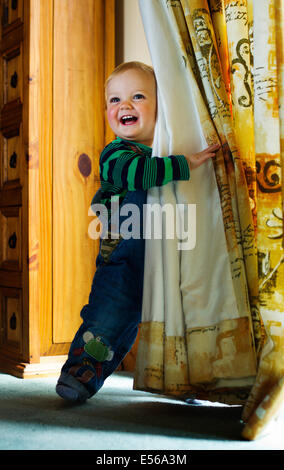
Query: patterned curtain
x=223, y=59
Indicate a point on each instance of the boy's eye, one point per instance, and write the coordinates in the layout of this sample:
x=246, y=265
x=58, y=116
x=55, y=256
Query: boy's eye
x=114, y=99
x=138, y=96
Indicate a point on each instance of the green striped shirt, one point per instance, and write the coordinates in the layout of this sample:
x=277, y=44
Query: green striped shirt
x=129, y=166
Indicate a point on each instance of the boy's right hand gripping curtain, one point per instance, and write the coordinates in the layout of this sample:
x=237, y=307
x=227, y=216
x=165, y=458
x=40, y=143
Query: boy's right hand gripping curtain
x=213, y=307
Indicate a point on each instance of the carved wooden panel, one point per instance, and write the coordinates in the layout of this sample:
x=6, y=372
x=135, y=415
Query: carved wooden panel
x=11, y=238
x=11, y=321
x=11, y=11
x=11, y=178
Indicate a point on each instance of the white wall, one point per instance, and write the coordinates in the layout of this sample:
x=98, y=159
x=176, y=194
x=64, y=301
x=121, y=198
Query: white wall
x=131, y=43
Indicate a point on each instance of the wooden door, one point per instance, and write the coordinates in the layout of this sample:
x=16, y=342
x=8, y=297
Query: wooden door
x=80, y=35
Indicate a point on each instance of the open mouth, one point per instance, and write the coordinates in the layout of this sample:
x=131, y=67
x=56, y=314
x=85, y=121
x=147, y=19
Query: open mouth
x=128, y=120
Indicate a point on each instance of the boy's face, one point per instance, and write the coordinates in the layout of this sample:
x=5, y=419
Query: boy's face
x=131, y=106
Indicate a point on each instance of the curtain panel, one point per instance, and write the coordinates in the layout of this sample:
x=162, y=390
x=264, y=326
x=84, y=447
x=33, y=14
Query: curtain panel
x=213, y=305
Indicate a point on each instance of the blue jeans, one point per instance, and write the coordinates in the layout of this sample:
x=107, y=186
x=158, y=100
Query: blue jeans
x=111, y=318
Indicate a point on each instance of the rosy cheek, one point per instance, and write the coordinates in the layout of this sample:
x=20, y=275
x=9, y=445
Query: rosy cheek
x=111, y=114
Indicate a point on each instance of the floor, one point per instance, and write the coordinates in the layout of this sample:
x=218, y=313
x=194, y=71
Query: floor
x=33, y=417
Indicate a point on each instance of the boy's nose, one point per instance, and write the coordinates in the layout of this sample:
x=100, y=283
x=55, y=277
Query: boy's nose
x=125, y=104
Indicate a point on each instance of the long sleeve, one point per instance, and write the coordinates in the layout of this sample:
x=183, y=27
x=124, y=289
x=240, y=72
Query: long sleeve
x=131, y=167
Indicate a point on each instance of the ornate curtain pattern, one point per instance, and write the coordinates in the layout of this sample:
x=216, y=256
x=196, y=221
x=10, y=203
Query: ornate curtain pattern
x=223, y=61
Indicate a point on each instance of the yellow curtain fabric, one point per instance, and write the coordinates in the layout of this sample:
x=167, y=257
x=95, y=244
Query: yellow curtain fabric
x=232, y=52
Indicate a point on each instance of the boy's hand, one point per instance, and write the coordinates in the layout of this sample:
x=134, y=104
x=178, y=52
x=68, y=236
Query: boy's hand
x=196, y=159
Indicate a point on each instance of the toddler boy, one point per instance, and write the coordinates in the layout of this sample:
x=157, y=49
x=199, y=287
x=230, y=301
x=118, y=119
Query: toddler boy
x=127, y=170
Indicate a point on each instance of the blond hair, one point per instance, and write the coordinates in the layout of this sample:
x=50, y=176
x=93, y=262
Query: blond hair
x=133, y=65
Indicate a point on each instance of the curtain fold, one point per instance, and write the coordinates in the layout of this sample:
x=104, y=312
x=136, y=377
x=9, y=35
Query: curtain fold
x=212, y=320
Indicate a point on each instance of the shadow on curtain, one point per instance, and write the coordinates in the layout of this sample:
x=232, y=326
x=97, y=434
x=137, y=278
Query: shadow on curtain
x=212, y=323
